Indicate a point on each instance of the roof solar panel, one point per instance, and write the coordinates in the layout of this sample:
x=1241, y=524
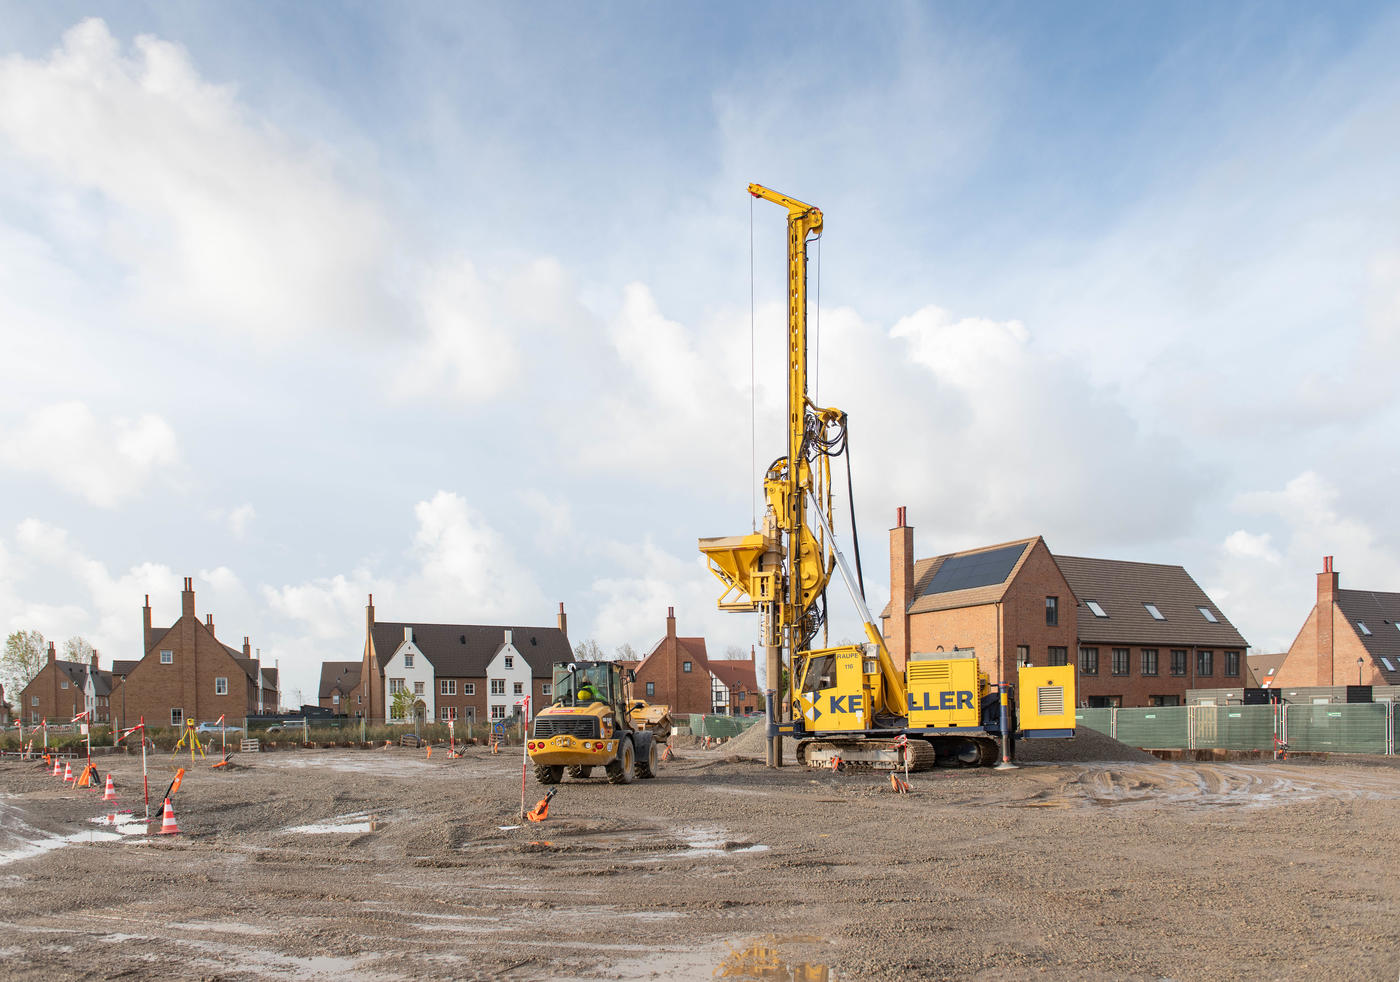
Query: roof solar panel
x=975, y=570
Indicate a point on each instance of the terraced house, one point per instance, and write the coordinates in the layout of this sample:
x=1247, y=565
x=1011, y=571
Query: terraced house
x=453, y=671
x=187, y=673
x=62, y=689
x=1141, y=634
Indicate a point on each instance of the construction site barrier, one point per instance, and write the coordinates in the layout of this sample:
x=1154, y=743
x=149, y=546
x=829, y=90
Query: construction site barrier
x=717, y=726
x=1349, y=728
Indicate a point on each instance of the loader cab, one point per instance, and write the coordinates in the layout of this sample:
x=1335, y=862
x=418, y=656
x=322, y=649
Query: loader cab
x=571, y=679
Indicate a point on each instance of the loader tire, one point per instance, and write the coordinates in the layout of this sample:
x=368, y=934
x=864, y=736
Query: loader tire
x=549, y=775
x=623, y=770
x=580, y=771
x=650, y=761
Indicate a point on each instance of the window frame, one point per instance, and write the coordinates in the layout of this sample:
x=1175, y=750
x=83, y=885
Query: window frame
x=1061, y=652
x=1231, y=658
x=1153, y=611
x=510, y=661
x=1023, y=654
x=1147, y=658
x=447, y=713
x=498, y=711
x=167, y=656
x=1208, y=614
x=498, y=687
x=517, y=688
x=447, y=687
x=1084, y=660
x=408, y=659
x=217, y=680
x=685, y=666
x=1052, y=611
x=1205, y=663
x=651, y=688
x=468, y=688
x=1127, y=655
x=1096, y=608
x=1183, y=656
x=177, y=720
x=418, y=688
x=546, y=688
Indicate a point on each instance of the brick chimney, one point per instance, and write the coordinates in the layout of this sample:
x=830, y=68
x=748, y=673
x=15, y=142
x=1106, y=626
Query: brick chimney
x=369, y=616
x=94, y=659
x=247, y=646
x=901, y=587
x=563, y=620
x=53, y=653
x=146, y=625
x=209, y=622
x=187, y=598
x=1326, y=615
x=670, y=622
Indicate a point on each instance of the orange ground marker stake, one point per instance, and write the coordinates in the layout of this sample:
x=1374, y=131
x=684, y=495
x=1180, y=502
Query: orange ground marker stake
x=541, y=810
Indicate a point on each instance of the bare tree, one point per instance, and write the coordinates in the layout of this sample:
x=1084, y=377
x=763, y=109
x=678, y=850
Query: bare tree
x=625, y=652
x=26, y=652
x=588, y=650
x=78, y=648
x=735, y=653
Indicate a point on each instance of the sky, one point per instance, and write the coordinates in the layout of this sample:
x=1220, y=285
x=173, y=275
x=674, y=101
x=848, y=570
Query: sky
x=459, y=305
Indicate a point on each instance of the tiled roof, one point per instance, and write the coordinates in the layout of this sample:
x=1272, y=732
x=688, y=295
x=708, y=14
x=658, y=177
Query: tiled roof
x=1380, y=612
x=734, y=672
x=102, y=682
x=1121, y=589
x=123, y=668
x=344, y=675
x=464, y=650
x=1265, y=667
x=925, y=570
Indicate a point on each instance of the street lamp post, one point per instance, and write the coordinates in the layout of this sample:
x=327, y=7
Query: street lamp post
x=1359, y=663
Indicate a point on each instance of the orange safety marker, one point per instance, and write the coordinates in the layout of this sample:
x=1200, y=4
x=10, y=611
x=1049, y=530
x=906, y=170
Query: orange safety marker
x=495, y=746
x=898, y=785
x=57, y=770
x=67, y=773
x=669, y=753
x=430, y=753
x=175, y=784
x=541, y=810
x=110, y=792
x=88, y=779
x=167, y=821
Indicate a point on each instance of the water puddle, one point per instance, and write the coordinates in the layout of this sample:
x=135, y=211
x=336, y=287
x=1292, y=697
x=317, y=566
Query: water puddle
x=124, y=823
x=345, y=824
x=708, y=840
x=28, y=850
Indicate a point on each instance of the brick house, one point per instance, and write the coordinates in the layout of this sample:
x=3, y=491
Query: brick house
x=62, y=689
x=456, y=671
x=340, y=683
x=1264, y=667
x=1143, y=633
x=1010, y=603
x=188, y=674
x=1147, y=633
x=679, y=672
x=1350, y=637
x=4, y=708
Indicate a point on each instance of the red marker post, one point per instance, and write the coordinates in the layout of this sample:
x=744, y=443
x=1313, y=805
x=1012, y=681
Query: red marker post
x=524, y=754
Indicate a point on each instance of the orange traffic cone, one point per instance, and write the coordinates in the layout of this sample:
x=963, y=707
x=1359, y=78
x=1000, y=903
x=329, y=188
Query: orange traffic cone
x=430, y=753
x=167, y=821
x=110, y=792
x=898, y=785
x=67, y=773
x=57, y=770
x=541, y=810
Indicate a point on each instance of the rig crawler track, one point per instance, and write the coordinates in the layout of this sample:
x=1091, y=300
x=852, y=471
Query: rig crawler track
x=866, y=755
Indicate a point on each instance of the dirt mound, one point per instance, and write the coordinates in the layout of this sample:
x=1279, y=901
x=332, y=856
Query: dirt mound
x=1087, y=746
x=753, y=742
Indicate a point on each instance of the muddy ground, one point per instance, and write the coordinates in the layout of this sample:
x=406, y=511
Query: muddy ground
x=1120, y=869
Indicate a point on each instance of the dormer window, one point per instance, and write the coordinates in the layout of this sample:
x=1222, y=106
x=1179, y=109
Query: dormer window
x=1094, y=607
x=1209, y=615
x=1157, y=615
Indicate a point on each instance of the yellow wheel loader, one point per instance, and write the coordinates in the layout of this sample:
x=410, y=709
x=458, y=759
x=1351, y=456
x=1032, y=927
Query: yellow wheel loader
x=587, y=726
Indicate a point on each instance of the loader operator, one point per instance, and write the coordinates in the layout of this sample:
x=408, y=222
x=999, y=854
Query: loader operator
x=588, y=694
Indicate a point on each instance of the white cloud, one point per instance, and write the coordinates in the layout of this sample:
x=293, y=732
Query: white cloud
x=239, y=518
x=218, y=217
x=1247, y=545
x=105, y=461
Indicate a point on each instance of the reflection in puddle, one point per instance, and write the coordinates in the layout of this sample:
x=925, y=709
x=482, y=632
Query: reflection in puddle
x=357, y=822
x=50, y=843
x=764, y=959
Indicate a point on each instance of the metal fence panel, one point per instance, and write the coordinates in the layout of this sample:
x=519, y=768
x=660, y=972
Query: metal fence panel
x=1244, y=727
x=1095, y=719
x=1356, y=728
x=1158, y=727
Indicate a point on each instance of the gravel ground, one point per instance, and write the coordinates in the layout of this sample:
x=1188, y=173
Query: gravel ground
x=1100, y=868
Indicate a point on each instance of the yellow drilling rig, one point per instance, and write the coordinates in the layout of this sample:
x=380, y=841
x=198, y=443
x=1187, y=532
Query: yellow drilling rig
x=851, y=705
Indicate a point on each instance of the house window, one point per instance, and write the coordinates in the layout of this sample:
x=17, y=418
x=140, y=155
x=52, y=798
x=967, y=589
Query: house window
x=1232, y=664
x=335, y=698
x=510, y=661
x=498, y=687
x=1059, y=656
x=468, y=688
x=519, y=688
x=33, y=700
x=360, y=700
x=1052, y=611
x=395, y=686
x=1364, y=629
x=417, y=688
x=63, y=684
x=498, y=712
x=1209, y=615
x=167, y=657
x=408, y=659
x=1157, y=615
x=1094, y=608
x=177, y=717
x=546, y=689
x=1122, y=661
x=1023, y=654
x=448, y=713
x=685, y=666
x=34, y=719
x=651, y=691
x=1149, y=661
x=1205, y=663
x=221, y=686
x=448, y=687
x=1164, y=700
x=1178, y=661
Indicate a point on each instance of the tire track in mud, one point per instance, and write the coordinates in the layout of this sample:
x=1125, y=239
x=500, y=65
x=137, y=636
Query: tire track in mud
x=1245, y=786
